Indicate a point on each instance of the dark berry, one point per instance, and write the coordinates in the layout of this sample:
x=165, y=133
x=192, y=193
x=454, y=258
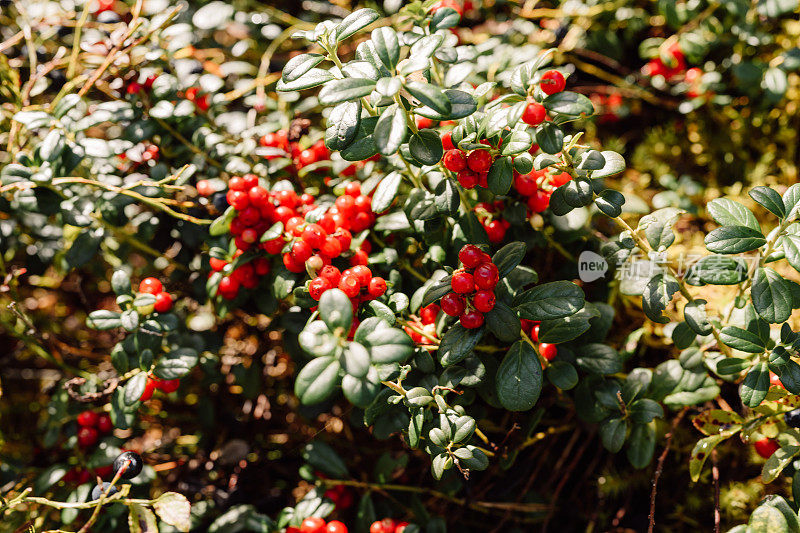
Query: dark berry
x=792, y=418
x=106, y=488
x=130, y=463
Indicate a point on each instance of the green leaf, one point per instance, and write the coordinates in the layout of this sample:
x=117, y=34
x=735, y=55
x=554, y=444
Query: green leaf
x=501, y=175
x=363, y=147
x=317, y=340
x=732, y=365
x=462, y=105
x=446, y=197
x=436, y=290
x=657, y=227
x=312, y=78
x=644, y=410
x=772, y=296
x=222, y=224
x=777, y=462
x=176, y=363
x=343, y=125
x=562, y=374
x=103, y=320
x=299, y=65
x=518, y=142
x=702, y=450
x=390, y=130
x=324, y=458
x=336, y=310
x=387, y=46
x=361, y=392
x=717, y=270
x=134, y=388
x=519, y=378
x=174, y=509
x=734, y=240
x=426, y=147
x=791, y=201
x=641, y=444
x=612, y=434
x=550, y=138
x=791, y=250
x=742, y=339
x=317, y=380
x=389, y=345
x=755, y=385
x=458, y=343
x=557, y=299
x=508, y=257
x=568, y=103
x=614, y=164
x=729, y=213
x=696, y=318
x=767, y=519
x=385, y=192
x=567, y=328
x=347, y=89
x=354, y=22
x=596, y=358
x=657, y=296
x=503, y=322
x=769, y=199
x=431, y=96
x=84, y=248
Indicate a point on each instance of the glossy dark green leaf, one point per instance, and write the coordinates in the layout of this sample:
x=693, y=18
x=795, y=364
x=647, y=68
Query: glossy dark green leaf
x=552, y=300
x=519, y=378
x=317, y=380
x=387, y=46
x=426, y=147
x=755, y=385
x=431, y=96
x=354, y=22
x=312, y=78
x=657, y=295
x=772, y=296
x=345, y=90
x=390, y=130
x=457, y=343
x=769, y=200
x=299, y=65
x=550, y=138
x=343, y=123
x=503, y=322
x=734, y=240
x=568, y=103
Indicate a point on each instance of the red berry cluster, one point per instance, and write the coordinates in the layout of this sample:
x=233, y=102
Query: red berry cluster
x=608, y=106
x=531, y=328
x=341, y=496
x=538, y=186
x=134, y=87
x=201, y=101
x=473, y=287
x=490, y=217
x=426, y=323
x=163, y=299
x=164, y=385
x=535, y=113
x=675, y=65
x=356, y=282
x=471, y=168
x=90, y=426
x=300, y=157
x=79, y=476
x=315, y=524
x=387, y=525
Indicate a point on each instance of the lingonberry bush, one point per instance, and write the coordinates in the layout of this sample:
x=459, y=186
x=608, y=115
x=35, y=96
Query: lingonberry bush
x=384, y=269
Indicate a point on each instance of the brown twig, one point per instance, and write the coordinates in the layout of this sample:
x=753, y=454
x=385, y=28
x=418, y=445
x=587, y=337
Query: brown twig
x=715, y=476
x=660, y=467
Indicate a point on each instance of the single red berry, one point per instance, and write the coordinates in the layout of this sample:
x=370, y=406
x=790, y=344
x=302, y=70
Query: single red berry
x=359, y=258
x=259, y=196
x=334, y=526
x=169, y=385
x=237, y=199
x=534, y=114
x=236, y=183
x=363, y=273
x=429, y=313
x=452, y=304
x=479, y=160
x=539, y=201
x=468, y=179
x=377, y=287
x=534, y=332
x=87, y=437
x=332, y=247
x=401, y=527
x=249, y=236
x=205, y=188
x=470, y=256
x=88, y=419
x=250, y=216
x=312, y=524
x=314, y=235
x=104, y=424
x=560, y=179
x=345, y=238
x=775, y=381
x=262, y=266
x=250, y=181
x=228, y=289
x=455, y=160
x=552, y=82
x=486, y=276
x=496, y=231
x=350, y=285
x=163, y=302
x=483, y=301
x=301, y=251
x=447, y=141
x=150, y=386
x=526, y=184
x=150, y=286
x=353, y=188
x=331, y=274
x=548, y=351
x=471, y=319
x=462, y=282
x=318, y=286
x=766, y=447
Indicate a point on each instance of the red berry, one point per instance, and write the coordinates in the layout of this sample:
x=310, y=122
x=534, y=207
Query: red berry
x=766, y=447
x=470, y=256
x=455, y=160
x=228, y=289
x=479, y=160
x=539, y=201
x=496, y=231
x=301, y=251
x=471, y=319
x=262, y=266
x=205, y=188
x=312, y=524
x=452, y=304
x=486, y=276
x=363, y=273
x=293, y=265
x=250, y=216
x=104, y=424
x=87, y=437
x=560, y=179
x=150, y=286
x=775, y=381
x=318, y=286
x=163, y=302
x=429, y=313
x=170, y=385
x=332, y=247
x=377, y=287
x=334, y=526
x=468, y=179
x=483, y=301
x=359, y=258
x=548, y=351
x=447, y=141
x=552, y=82
x=149, y=388
x=331, y=274
x=462, y=282
x=249, y=236
x=238, y=199
x=259, y=196
x=534, y=333
x=250, y=181
x=88, y=418
x=353, y=188
x=350, y=285
x=534, y=114
x=526, y=184
x=314, y=235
